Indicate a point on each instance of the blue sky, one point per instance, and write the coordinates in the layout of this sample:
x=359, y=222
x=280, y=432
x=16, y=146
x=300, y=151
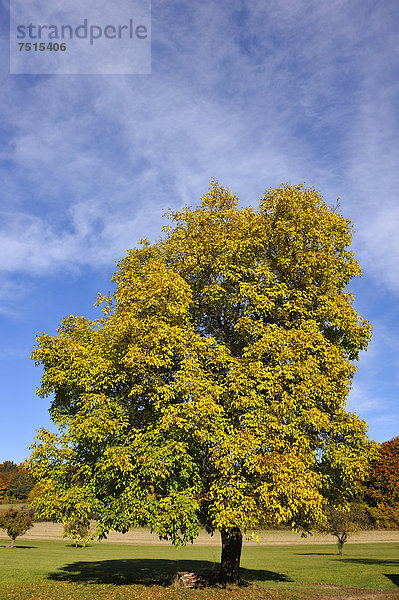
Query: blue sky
x=251, y=93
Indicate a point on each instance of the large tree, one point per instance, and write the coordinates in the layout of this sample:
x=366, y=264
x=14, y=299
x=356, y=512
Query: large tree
x=212, y=390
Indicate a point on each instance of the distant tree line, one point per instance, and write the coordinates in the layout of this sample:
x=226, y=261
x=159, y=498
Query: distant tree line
x=15, y=482
x=381, y=489
x=377, y=502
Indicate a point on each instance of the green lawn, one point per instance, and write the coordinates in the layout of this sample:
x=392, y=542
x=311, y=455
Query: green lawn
x=43, y=570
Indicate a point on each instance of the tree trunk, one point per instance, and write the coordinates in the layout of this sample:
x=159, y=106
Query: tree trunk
x=341, y=541
x=12, y=542
x=231, y=554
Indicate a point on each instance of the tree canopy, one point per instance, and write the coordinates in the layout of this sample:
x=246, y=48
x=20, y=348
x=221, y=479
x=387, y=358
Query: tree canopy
x=16, y=523
x=211, y=392
x=344, y=523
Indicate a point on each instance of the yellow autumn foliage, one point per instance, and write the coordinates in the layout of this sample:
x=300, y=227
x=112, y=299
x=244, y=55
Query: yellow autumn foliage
x=211, y=392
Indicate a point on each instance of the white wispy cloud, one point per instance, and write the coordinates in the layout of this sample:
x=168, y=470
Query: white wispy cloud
x=253, y=97
x=11, y=291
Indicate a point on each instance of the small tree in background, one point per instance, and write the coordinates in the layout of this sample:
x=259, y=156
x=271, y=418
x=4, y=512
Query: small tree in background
x=78, y=531
x=344, y=523
x=16, y=523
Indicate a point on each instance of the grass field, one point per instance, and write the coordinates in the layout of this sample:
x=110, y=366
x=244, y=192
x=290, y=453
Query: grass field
x=19, y=505
x=43, y=570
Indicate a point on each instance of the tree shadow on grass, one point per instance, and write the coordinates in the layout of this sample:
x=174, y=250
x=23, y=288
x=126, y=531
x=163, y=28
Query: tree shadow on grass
x=393, y=562
x=150, y=572
x=389, y=562
x=393, y=578
x=18, y=547
x=315, y=553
